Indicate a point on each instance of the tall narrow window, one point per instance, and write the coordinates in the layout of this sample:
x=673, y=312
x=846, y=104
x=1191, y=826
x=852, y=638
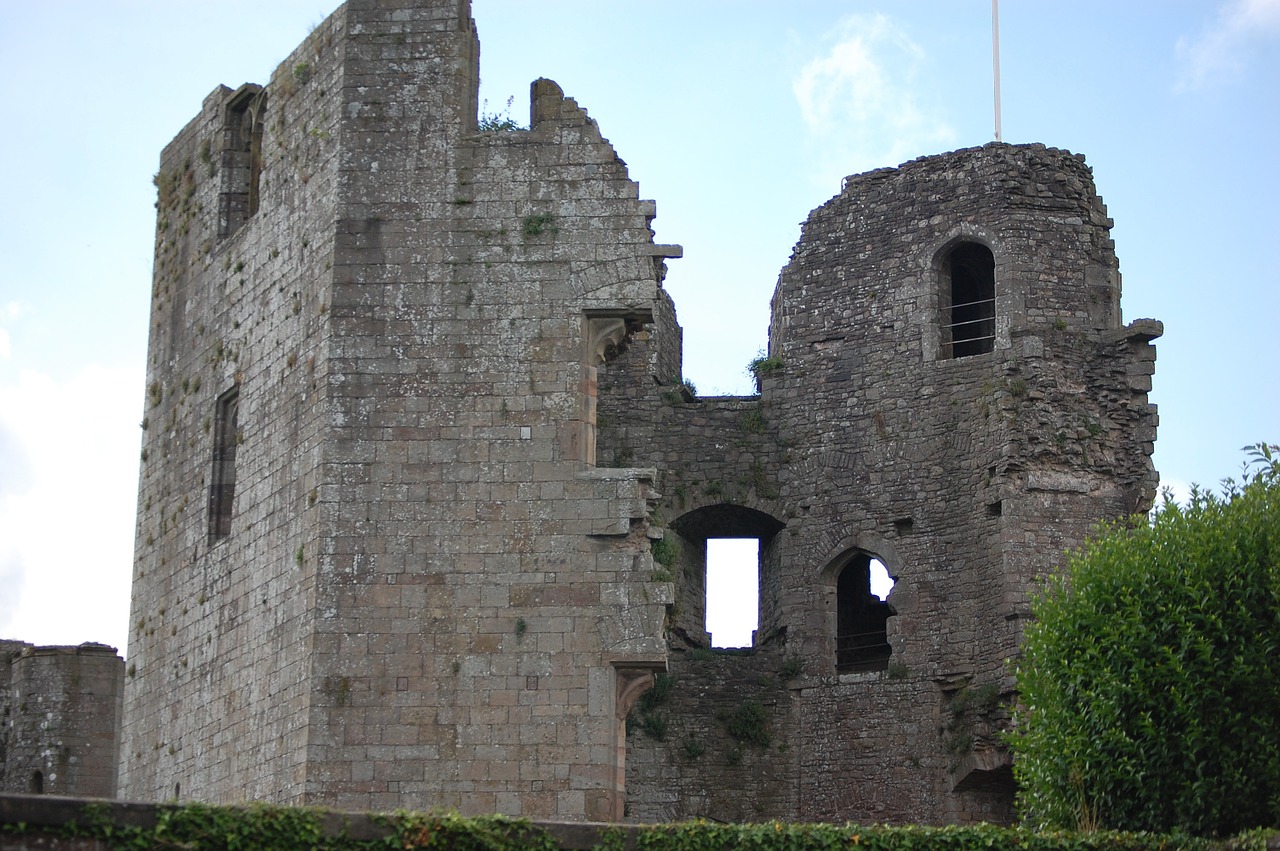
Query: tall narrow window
x=971, y=272
x=241, y=158
x=36, y=787
x=862, y=642
x=222, y=484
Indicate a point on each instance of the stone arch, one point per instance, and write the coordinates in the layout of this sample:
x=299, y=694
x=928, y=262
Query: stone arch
x=692, y=529
x=859, y=633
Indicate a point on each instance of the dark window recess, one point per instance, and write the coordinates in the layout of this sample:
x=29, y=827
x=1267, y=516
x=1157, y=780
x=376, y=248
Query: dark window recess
x=37, y=783
x=222, y=485
x=862, y=642
x=971, y=275
x=241, y=158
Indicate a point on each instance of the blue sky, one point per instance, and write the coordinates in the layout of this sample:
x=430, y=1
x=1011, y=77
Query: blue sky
x=736, y=117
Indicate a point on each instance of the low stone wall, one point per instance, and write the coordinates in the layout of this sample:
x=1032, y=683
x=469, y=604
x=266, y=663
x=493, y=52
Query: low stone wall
x=47, y=816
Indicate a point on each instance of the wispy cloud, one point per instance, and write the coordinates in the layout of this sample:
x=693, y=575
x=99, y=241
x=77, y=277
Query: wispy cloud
x=860, y=100
x=1222, y=49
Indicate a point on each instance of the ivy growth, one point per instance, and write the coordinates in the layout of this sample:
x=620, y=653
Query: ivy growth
x=301, y=829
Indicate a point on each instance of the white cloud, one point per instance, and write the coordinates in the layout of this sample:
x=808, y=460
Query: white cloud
x=67, y=515
x=861, y=103
x=1221, y=50
x=1172, y=490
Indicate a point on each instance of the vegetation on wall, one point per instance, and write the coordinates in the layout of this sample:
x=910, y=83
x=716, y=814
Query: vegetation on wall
x=646, y=716
x=498, y=122
x=1151, y=675
x=763, y=364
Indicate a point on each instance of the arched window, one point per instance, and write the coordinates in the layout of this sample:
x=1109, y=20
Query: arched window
x=970, y=278
x=862, y=642
x=241, y=158
x=698, y=540
x=37, y=783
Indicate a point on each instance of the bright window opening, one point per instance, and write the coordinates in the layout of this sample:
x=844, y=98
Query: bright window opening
x=881, y=582
x=733, y=590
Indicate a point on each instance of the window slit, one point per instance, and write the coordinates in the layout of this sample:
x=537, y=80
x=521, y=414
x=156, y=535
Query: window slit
x=222, y=485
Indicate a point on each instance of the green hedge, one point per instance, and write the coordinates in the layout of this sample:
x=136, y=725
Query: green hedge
x=1150, y=678
x=198, y=827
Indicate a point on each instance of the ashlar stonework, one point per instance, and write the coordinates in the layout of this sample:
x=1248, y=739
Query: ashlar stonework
x=415, y=433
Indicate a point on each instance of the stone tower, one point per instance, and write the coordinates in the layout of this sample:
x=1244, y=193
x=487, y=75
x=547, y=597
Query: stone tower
x=61, y=714
x=424, y=500
x=949, y=391
x=376, y=566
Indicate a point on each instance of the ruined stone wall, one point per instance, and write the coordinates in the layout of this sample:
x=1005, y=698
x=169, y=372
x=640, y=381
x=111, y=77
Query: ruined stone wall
x=966, y=476
x=424, y=497
x=61, y=708
x=425, y=593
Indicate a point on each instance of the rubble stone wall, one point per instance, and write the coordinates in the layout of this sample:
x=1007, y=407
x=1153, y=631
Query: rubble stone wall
x=61, y=710
x=968, y=477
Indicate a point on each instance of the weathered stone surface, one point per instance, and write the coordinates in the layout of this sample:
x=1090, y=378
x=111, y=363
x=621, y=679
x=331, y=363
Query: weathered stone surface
x=426, y=594
x=415, y=424
x=61, y=711
x=966, y=476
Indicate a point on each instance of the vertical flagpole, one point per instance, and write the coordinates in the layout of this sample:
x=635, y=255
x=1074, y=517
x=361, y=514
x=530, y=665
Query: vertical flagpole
x=995, y=57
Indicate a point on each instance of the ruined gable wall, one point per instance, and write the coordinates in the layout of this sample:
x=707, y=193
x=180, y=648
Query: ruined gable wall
x=219, y=632
x=485, y=605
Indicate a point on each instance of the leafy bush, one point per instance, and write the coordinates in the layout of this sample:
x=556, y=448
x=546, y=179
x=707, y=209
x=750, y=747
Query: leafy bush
x=1150, y=679
x=286, y=828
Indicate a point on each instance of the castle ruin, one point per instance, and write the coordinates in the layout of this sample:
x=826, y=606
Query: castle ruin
x=424, y=500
